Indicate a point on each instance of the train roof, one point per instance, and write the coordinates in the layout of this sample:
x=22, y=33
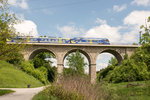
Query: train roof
x=88, y=38
x=64, y=38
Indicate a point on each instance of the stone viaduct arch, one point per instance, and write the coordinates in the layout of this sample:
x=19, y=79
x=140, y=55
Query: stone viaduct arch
x=35, y=52
x=81, y=51
x=90, y=51
x=114, y=53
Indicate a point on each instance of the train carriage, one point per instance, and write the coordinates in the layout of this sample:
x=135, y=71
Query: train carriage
x=77, y=40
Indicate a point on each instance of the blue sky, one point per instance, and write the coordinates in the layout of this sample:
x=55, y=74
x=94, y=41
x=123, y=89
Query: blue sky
x=117, y=20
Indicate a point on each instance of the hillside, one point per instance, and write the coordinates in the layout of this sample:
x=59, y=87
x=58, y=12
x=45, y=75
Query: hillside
x=13, y=77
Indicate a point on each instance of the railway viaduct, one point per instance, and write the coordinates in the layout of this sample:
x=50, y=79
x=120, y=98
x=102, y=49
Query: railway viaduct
x=91, y=51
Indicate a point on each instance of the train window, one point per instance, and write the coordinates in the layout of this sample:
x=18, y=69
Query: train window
x=94, y=41
x=31, y=39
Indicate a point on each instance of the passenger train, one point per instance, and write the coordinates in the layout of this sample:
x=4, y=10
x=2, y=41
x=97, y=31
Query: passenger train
x=78, y=40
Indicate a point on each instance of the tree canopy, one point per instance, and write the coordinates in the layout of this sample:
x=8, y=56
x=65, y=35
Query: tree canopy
x=145, y=33
x=7, y=31
x=76, y=63
x=42, y=61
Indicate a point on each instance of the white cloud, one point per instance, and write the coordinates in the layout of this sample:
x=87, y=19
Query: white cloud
x=141, y=2
x=104, y=31
x=54, y=61
x=125, y=34
x=26, y=28
x=19, y=3
x=131, y=25
x=101, y=21
x=118, y=8
x=132, y=36
x=70, y=31
x=101, y=66
x=136, y=18
x=102, y=60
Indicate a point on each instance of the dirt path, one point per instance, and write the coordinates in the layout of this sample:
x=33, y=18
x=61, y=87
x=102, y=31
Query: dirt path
x=21, y=93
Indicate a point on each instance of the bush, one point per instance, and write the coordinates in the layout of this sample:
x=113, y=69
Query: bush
x=129, y=71
x=16, y=59
x=104, y=72
x=135, y=68
x=39, y=73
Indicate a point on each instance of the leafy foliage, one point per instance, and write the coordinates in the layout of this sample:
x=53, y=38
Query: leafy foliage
x=76, y=64
x=104, y=72
x=7, y=31
x=145, y=38
x=39, y=73
x=40, y=61
x=135, y=68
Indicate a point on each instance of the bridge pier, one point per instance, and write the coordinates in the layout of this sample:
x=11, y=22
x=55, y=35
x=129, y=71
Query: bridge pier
x=92, y=73
x=60, y=68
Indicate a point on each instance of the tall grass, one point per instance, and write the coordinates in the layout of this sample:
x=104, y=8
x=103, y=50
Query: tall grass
x=82, y=86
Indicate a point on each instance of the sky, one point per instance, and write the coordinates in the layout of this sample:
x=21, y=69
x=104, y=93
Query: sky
x=117, y=20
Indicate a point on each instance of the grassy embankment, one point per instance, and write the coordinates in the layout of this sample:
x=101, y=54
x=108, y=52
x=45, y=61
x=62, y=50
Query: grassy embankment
x=13, y=77
x=139, y=90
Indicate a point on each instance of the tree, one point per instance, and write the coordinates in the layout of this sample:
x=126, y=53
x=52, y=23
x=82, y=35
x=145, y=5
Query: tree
x=145, y=34
x=7, y=31
x=42, y=60
x=76, y=63
x=112, y=61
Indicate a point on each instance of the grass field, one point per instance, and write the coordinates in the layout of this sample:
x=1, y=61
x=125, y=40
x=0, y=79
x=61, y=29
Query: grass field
x=131, y=90
x=3, y=92
x=12, y=77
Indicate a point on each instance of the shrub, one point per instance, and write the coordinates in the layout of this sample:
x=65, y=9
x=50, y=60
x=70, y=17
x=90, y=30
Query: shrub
x=39, y=73
x=104, y=72
x=135, y=68
x=129, y=71
x=16, y=59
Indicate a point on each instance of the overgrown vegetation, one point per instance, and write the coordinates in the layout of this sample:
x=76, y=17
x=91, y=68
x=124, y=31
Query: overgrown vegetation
x=78, y=88
x=39, y=73
x=40, y=68
x=42, y=61
x=135, y=68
